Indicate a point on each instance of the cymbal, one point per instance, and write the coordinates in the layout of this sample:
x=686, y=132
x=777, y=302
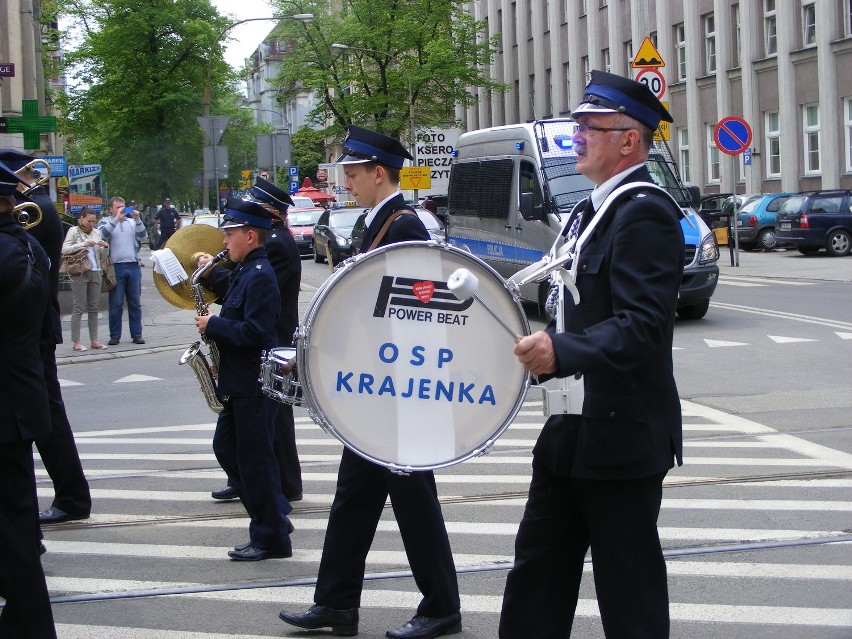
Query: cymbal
x=186, y=243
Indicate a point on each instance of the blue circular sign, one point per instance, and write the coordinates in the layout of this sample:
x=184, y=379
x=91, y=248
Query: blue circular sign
x=732, y=135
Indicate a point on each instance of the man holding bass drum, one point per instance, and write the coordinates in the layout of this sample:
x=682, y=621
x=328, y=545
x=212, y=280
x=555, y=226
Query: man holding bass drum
x=371, y=167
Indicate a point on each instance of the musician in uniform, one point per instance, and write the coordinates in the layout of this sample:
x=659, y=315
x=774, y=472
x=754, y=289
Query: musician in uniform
x=245, y=428
x=58, y=452
x=24, y=416
x=597, y=477
x=371, y=164
x=284, y=256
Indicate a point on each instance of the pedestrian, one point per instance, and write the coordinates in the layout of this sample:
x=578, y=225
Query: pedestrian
x=86, y=288
x=168, y=221
x=597, y=476
x=284, y=256
x=244, y=432
x=124, y=231
x=58, y=451
x=371, y=165
x=24, y=415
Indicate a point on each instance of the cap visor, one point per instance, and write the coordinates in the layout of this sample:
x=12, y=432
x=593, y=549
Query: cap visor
x=588, y=107
x=350, y=159
x=231, y=224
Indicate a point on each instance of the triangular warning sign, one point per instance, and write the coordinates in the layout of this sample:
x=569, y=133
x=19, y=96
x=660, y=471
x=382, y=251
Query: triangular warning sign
x=648, y=57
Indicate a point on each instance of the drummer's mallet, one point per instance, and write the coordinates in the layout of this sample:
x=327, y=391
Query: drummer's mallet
x=464, y=284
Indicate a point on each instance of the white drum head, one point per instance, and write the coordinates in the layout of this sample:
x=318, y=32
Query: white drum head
x=401, y=371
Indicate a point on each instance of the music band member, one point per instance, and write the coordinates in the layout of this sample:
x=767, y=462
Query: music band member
x=24, y=416
x=371, y=167
x=244, y=432
x=72, y=498
x=597, y=477
x=284, y=257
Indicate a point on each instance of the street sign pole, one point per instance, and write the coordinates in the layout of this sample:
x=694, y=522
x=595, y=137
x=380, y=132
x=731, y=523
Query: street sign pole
x=733, y=136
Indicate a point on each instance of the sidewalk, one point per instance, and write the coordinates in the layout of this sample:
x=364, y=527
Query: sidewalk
x=167, y=328
x=164, y=327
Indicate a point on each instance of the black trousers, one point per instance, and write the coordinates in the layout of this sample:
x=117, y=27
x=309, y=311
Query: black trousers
x=242, y=443
x=286, y=453
x=58, y=451
x=362, y=489
x=26, y=613
x=562, y=519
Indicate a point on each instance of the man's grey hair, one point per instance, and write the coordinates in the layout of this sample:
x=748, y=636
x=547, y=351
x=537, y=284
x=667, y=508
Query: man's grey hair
x=645, y=132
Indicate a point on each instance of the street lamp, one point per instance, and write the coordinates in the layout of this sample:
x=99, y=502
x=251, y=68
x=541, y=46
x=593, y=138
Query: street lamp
x=411, y=124
x=304, y=18
x=285, y=123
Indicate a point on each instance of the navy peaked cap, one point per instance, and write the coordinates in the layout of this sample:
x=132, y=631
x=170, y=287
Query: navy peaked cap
x=240, y=213
x=362, y=145
x=15, y=159
x=265, y=191
x=9, y=182
x=609, y=93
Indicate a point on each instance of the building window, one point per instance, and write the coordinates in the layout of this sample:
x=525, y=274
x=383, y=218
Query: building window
x=738, y=43
x=847, y=18
x=714, y=174
x=847, y=111
x=810, y=142
x=566, y=100
x=683, y=148
x=607, y=62
x=709, y=44
x=808, y=23
x=773, y=144
x=628, y=53
x=548, y=105
x=680, y=48
x=770, y=33
x=586, y=70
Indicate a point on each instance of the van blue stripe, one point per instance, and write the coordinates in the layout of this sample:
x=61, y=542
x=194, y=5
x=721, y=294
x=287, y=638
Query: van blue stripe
x=496, y=251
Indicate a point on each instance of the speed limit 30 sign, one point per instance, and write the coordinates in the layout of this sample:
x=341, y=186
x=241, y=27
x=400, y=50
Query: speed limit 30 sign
x=654, y=80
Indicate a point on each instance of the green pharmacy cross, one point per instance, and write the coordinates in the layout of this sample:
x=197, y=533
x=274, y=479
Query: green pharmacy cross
x=31, y=124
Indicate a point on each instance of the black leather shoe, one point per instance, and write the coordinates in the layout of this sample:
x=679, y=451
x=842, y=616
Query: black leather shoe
x=291, y=498
x=138, y=340
x=421, y=627
x=250, y=553
x=113, y=341
x=290, y=529
x=42, y=549
x=228, y=492
x=54, y=515
x=343, y=623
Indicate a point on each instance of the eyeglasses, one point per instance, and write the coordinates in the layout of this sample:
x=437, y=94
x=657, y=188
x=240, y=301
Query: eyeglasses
x=585, y=128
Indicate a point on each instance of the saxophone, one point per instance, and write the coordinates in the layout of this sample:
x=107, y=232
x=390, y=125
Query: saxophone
x=206, y=372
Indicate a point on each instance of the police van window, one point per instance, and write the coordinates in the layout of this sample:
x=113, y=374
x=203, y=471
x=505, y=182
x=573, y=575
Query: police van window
x=481, y=188
x=528, y=176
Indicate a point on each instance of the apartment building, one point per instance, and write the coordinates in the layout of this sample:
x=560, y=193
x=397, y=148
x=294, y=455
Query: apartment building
x=778, y=64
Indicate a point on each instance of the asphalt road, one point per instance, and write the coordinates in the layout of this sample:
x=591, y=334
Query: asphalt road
x=756, y=525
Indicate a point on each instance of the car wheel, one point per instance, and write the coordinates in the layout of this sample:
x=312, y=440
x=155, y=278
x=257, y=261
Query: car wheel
x=838, y=244
x=332, y=259
x=317, y=257
x=694, y=311
x=808, y=250
x=766, y=239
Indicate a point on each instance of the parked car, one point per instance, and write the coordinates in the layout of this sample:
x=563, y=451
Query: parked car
x=433, y=225
x=756, y=221
x=333, y=233
x=210, y=219
x=817, y=219
x=302, y=221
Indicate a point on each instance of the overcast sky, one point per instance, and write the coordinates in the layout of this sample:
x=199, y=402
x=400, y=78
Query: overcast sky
x=245, y=38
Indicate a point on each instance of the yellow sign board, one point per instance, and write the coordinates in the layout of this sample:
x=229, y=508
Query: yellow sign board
x=415, y=177
x=663, y=132
x=647, y=57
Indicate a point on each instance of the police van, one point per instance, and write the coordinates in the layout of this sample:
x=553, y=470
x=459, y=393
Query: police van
x=512, y=188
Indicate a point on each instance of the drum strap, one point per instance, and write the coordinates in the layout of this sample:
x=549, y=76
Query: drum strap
x=383, y=231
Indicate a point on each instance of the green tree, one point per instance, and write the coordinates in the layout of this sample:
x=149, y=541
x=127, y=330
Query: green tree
x=422, y=58
x=139, y=75
x=308, y=151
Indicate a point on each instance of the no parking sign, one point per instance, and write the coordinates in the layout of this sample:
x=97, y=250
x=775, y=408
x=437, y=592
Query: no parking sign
x=732, y=135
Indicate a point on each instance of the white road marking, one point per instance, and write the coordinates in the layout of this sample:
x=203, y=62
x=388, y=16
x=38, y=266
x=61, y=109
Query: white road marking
x=788, y=340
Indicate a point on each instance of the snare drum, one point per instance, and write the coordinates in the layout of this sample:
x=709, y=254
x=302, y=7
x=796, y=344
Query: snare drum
x=279, y=385
x=401, y=371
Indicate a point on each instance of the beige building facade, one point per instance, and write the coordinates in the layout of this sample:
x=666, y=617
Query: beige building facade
x=784, y=66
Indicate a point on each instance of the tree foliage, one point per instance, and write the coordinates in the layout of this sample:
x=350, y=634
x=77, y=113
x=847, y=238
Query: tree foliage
x=139, y=74
x=408, y=57
x=308, y=150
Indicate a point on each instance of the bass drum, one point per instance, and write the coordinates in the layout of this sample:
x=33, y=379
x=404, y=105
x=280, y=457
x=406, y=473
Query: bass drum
x=402, y=372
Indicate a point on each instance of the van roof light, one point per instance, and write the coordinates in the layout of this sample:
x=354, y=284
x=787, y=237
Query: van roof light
x=519, y=146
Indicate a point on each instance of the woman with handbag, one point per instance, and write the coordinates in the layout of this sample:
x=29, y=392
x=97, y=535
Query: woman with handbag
x=85, y=280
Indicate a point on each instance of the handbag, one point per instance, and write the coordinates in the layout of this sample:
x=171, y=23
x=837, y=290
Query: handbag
x=76, y=264
x=107, y=274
